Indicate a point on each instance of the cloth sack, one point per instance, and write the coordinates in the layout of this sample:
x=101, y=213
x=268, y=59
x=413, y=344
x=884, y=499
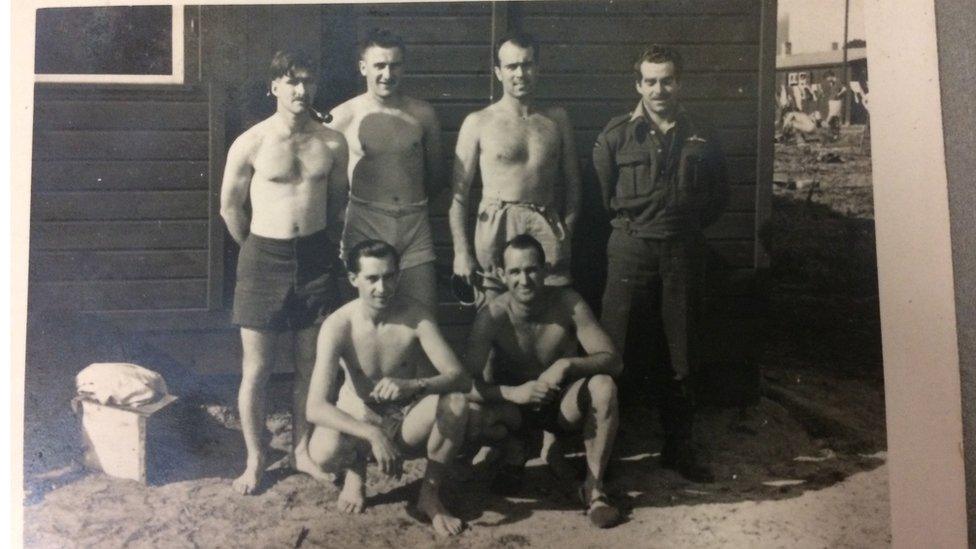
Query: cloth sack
x=120, y=383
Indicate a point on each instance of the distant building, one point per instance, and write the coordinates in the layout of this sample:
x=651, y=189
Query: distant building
x=810, y=80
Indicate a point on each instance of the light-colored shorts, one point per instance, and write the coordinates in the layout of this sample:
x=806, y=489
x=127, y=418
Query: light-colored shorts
x=406, y=228
x=500, y=221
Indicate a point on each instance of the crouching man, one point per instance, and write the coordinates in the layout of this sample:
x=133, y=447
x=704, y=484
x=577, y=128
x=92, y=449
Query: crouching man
x=384, y=408
x=537, y=377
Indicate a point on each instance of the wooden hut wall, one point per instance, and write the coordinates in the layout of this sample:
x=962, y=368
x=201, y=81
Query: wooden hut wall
x=125, y=214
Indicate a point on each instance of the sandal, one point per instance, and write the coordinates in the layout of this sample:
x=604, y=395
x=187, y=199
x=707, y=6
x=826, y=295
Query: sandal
x=599, y=510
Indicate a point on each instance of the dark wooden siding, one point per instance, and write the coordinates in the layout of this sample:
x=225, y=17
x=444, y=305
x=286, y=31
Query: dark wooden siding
x=586, y=60
x=119, y=200
x=125, y=193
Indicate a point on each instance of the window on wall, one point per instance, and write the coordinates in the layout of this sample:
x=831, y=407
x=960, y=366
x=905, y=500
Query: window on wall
x=109, y=44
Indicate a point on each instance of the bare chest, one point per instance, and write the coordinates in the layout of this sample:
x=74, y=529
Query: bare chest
x=538, y=343
x=293, y=160
x=384, y=133
x=531, y=141
x=383, y=351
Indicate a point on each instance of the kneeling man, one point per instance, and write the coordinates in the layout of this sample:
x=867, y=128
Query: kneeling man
x=384, y=408
x=537, y=375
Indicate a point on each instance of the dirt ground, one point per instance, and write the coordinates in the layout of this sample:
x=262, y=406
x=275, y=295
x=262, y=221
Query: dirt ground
x=804, y=467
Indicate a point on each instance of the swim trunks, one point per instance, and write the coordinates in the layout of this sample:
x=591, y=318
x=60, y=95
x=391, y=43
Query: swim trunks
x=500, y=221
x=406, y=228
x=388, y=416
x=546, y=416
x=285, y=284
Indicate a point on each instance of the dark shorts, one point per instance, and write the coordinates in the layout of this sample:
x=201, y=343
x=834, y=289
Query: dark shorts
x=546, y=417
x=285, y=284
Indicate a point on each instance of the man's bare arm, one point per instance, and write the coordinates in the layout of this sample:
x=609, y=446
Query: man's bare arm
x=465, y=166
x=318, y=409
x=236, y=185
x=433, y=153
x=338, y=191
x=570, y=169
x=476, y=359
x=600, y=358
x=451, y=377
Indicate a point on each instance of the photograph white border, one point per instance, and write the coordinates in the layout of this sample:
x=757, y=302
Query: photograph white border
x=924, y=419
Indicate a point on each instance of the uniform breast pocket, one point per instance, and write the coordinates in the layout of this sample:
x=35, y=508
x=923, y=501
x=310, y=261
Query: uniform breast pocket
x=636, y=169
x=691, y=175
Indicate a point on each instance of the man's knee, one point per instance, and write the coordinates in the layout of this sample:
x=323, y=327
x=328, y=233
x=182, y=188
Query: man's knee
x=330, y=450
x=603, y=394
x=453, y=405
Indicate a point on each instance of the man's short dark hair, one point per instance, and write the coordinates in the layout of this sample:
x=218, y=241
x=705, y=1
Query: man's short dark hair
x=370, y=248
x=382, y=38
x=659, y=54
x=288, y=62
x=521, y=242
x=520, y=39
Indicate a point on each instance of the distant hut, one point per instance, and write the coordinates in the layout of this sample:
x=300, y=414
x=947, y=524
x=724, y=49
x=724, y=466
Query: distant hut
x=809, y=80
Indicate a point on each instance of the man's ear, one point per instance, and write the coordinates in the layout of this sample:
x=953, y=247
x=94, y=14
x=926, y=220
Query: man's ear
x=352, y=278
x=498, y=72
x=362, y=67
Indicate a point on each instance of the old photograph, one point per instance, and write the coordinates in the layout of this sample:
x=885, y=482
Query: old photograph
x=462, y=274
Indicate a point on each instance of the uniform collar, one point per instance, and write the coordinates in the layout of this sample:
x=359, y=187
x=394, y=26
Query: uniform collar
x=640, y=114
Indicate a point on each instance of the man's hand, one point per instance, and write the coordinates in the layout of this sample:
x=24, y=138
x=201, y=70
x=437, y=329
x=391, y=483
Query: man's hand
x=465, y=266
x=533, y=393
x=386, y=454
x=391, y=389
x=555, y=374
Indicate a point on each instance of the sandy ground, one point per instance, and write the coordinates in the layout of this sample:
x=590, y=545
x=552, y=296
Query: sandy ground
x=786, y=477
x=777, y=487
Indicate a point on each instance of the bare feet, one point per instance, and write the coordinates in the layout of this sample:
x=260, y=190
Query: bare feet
x=430, y=504
x=352, y=498
x=552, y=454
x=247, y=483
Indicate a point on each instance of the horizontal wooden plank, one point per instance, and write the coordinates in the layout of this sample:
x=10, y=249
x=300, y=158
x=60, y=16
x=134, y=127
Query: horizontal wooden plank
x=121, y=145
x=425, y=8
x=79, y=175
x=734, y=142
x=470, y=87
x=448, y=58
x=114, y=295
x=712, y=86
x=120, y=265
x=616, y=58
x=429, y=29
x=132, y=235
x=120, y=92
x=120, y=115
x=641, y=7
x=119, y=206
x=689, y=29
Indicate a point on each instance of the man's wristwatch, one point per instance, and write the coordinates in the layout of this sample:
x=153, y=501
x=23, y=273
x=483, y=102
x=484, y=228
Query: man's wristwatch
x=421, y=384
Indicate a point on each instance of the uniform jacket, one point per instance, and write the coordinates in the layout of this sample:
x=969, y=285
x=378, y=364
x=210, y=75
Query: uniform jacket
x=656, y=193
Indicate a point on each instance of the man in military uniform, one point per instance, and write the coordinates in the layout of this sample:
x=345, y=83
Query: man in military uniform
x=663, y=180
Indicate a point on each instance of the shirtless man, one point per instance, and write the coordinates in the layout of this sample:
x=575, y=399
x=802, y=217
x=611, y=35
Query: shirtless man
x=293, y=170
x=395, y=164
x=528, y=168
x=536, y=375
x=384, y=407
